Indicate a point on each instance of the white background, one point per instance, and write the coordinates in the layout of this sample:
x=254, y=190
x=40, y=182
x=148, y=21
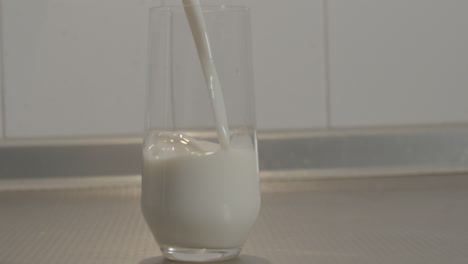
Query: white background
x=76, y=67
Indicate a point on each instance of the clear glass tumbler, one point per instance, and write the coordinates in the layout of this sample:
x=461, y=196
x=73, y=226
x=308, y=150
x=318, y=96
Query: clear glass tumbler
x=199, y=199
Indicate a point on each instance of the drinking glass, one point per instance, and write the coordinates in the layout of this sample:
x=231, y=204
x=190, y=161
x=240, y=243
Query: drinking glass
x=199, y=198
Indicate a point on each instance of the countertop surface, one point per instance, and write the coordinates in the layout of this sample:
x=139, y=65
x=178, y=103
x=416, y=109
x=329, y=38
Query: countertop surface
x=390, y=220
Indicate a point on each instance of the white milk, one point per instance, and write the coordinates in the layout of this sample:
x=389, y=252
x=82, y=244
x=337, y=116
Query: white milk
x=196, y=195
x=197, y=25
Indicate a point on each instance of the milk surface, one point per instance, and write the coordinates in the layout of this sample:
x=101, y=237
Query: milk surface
x=198, y=195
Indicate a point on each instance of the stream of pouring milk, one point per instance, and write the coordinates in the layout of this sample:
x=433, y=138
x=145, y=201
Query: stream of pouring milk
x=198, y=194
x=197, y=25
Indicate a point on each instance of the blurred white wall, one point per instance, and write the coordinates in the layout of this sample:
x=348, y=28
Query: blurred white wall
x=77, y=67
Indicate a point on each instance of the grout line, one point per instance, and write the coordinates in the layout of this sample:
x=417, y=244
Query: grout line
x=2, y=81
x=327, y=64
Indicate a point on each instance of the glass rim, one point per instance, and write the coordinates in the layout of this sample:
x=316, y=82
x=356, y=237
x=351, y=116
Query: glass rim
x=205, y=8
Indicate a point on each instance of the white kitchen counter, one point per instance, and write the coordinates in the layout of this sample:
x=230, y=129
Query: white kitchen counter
x=369, y=220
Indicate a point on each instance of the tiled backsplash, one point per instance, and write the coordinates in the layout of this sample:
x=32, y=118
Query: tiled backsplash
x=77, y=67
x=398, y=62
x=74, y=67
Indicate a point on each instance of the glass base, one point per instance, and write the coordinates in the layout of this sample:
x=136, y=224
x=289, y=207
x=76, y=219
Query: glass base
x=199, y=254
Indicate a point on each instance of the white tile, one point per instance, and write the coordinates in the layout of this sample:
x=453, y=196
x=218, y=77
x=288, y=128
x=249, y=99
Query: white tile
x=398, y=62
x=1, y=100
x=288, y=47
x=1, y=75
x=77, y=67
x=74, y=67
x=1, y=106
